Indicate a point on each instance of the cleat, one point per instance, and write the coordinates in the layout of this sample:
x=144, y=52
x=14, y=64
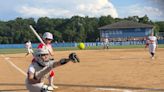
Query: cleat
x=152, y=57
x=55, y=87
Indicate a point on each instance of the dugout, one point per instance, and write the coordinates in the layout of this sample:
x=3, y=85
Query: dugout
x=125, y=31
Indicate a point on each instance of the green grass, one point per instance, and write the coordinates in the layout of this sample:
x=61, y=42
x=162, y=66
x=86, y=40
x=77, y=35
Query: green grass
x=12, y=51
x=23, y=50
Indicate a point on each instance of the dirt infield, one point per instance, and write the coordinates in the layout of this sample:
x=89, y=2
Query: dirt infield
x=115, y=70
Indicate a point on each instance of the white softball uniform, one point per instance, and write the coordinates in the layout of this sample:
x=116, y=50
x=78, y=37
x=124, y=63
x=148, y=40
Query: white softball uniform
x=106, y=42
x=34, y=67
x=49, y=47
x=152, y=43
x=29, y=47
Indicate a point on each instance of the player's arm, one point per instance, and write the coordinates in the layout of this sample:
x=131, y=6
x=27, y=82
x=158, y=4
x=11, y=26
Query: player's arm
x=51, y=51
x=61, y=62
x=45, y=70
x=146, y=45
x=72, y=57
x=31, y=79
x=31, y=75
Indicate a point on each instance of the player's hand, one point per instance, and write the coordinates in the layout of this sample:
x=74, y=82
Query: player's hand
x=74, y=58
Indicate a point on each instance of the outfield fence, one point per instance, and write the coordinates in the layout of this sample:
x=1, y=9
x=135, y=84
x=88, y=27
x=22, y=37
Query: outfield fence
x=87, y=44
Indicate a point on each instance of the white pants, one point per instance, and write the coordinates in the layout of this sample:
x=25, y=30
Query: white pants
x=152, y=48
x=34, y=87
x=106, y=44
x=30, y=50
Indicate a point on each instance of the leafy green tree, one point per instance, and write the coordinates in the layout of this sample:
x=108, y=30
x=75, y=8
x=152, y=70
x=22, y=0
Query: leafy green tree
x=91, y=25
x=57, y=36
x=105, y=20
x=44, y=24
x=160, y=24
x=71, y=29
x=133, y=18
x=1, y=39
x=69, y=35
x=5, y=40
x=145, y=19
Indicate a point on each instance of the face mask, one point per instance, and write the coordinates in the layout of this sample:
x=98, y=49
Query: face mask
x=40, y=61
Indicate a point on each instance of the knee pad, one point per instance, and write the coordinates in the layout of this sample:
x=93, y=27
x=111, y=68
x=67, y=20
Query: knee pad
x=52, y=74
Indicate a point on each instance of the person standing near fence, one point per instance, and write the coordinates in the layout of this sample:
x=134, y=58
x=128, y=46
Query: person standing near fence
x=152, y=41
x=106, y=43
x=28, y=47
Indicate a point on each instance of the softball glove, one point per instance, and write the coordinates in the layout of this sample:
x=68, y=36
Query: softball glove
x=74, y=58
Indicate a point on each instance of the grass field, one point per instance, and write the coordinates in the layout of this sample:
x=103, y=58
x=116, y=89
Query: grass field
x=23, y=50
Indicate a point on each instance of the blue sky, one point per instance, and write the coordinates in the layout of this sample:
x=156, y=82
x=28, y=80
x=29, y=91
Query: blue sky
x=10, y=9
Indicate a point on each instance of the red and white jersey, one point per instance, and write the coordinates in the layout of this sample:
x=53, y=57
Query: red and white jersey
x=152, y=39
x=49, y=46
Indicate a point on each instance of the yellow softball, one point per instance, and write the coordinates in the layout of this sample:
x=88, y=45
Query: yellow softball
x=81, y=46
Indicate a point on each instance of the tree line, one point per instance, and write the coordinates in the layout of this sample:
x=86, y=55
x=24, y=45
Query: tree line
x=74, y=29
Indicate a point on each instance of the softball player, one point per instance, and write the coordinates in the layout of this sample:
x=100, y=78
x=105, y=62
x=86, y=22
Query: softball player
x=38, y=70
x=28, y=47
x=106, y=43
x=47, y=38
x=152, y=40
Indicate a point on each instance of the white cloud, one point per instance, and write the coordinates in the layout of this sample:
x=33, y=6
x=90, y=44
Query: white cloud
x=31, y=11
x=139, y=10
x=67, y=8
x=98, y=8
x=41, y=12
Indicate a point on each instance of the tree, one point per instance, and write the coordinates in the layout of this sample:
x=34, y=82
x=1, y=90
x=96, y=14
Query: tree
x=133, y=18
x=44, y=24
x=91, y=25
x=156, y=29
x=105, y=20
x=145, y=19
x=160, y=24
x=81, y=35
x=57, y=36
x=71, y=29
x=69, y=35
